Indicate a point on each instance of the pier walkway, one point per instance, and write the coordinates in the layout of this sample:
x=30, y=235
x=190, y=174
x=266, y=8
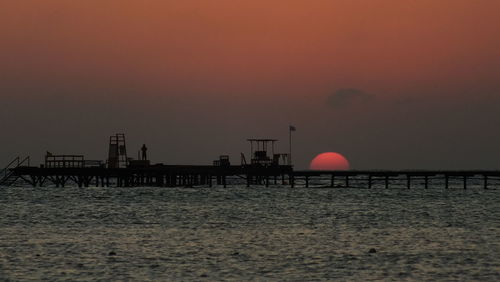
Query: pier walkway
x=209, y=176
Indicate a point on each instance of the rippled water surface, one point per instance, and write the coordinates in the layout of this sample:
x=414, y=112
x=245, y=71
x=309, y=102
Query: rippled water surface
x=249, y=234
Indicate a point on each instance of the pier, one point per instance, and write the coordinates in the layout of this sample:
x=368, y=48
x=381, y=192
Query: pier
x=407, y=179
x=210, y=176
x=262, y=170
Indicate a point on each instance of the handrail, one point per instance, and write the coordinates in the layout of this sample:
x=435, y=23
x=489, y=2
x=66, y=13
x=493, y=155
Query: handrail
x=6, y=173
x=27, y=159
x=14, y=160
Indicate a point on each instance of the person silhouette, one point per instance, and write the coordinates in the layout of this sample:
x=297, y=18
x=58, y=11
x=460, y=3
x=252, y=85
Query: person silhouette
x=144, y=151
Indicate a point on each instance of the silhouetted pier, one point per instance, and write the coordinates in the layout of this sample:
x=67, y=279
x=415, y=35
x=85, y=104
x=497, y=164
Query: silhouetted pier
x=210, y=176
x=119, y=170
x=158, y=176
x=400, y=178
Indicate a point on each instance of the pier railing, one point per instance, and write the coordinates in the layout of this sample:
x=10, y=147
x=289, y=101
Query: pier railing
x=6, y=174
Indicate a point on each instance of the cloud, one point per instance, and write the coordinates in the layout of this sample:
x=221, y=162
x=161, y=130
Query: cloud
x=347, y=97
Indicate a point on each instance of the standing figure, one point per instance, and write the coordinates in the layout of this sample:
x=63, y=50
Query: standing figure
x=144, y=151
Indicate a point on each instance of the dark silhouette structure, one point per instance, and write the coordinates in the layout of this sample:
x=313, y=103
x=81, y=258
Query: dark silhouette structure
x=265, y=168
x=117, y=154
x=222, y=161
x=259, y=149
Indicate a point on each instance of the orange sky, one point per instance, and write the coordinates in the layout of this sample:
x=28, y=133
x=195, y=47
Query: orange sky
x=290, y=52
x=230, y=45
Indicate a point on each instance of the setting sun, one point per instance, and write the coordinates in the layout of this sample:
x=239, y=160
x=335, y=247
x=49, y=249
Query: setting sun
x=329, y=161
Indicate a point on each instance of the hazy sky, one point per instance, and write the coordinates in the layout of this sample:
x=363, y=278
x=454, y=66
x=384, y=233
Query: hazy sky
x=387, y=83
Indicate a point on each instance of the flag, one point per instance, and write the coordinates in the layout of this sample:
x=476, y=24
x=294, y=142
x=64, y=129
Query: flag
x=292, y=128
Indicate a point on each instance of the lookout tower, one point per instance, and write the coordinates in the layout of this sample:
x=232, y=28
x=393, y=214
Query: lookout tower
x=259, y=153
x=117, y=156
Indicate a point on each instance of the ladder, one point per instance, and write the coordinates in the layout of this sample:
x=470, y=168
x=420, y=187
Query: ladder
x=7, y=177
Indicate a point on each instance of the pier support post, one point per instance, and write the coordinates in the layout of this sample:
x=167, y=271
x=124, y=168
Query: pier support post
x=347, y=181
x=465, y=182
x=160, y=180
x=386, y=181
x=33, y=181
x=446, y=181
x=408, y=181
x=332, y=184
x=369, y=181
x=41, y=180
x=485, y=181
x=307, y=181
x=426, y=181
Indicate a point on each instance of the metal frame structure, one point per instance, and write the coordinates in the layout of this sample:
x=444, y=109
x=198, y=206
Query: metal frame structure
x=117, y=156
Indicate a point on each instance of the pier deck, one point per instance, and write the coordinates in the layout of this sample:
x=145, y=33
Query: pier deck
x=191, y=175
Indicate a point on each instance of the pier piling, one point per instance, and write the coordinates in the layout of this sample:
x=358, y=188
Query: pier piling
x=190, y=176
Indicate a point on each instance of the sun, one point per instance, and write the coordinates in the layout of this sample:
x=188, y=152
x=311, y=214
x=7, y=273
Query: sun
x=329, y=161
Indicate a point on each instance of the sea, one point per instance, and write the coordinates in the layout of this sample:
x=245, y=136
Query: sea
x=240, y=233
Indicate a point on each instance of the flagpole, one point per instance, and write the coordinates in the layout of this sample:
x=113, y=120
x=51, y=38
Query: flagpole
x=290, y=144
